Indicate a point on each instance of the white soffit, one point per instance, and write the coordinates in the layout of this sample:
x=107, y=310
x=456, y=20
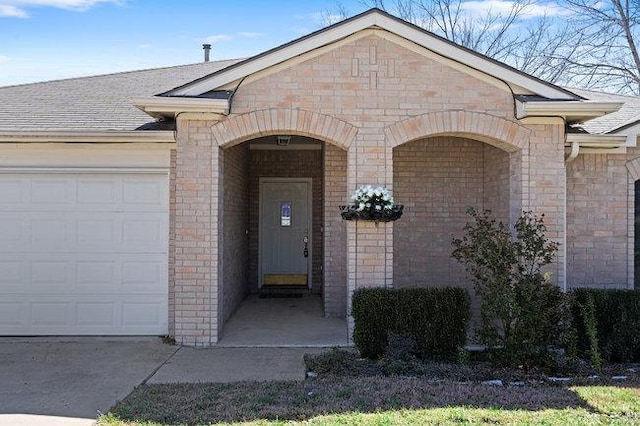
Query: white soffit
x=571, y=111
x=373, y=19
x=161, y=107
x=595, y=144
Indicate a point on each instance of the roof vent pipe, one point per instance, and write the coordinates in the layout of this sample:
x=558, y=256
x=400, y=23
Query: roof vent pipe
x=207, y=50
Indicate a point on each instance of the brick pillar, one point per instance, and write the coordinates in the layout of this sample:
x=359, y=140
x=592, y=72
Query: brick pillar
x=544, y=186
x=196, y=230
x=369, y=245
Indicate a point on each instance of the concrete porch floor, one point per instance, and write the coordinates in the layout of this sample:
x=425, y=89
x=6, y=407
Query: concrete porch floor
x=283, y=322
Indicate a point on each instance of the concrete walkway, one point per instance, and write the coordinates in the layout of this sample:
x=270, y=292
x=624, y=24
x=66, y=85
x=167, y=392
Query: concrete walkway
x=278, y=322
x=62, y=382
x=70, y=380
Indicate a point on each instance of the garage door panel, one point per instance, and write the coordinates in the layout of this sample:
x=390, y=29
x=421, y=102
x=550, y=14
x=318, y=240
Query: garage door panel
x=83, y=253
x=143, y=193
x=12, y=228
x=13, y=273
x=49, y=233
x=142, y=275
x=50, y=314
x=97, y=276
x=13, y=192
x=96, y=314
x=110, y=315
x=51, y=191
x=13, y=316
x=51, y=276
x=96, y=191
x=144, y=234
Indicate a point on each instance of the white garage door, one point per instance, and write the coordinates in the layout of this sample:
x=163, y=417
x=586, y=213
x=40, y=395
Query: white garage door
x=83, y=253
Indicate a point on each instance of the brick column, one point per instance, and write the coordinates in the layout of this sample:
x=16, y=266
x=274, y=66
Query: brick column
x=544, y=186
x=196, y=230
x=369, y=245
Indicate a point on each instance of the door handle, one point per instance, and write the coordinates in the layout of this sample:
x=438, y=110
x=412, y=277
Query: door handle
x=305, y=240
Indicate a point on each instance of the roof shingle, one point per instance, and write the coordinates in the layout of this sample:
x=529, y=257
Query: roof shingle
x=96, y=103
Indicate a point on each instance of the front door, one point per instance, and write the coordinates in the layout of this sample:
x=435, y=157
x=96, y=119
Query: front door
x=285, y=232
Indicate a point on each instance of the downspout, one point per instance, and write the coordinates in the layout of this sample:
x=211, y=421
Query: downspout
x=575, y=150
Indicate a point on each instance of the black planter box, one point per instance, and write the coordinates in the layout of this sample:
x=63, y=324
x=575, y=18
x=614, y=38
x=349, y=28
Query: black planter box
x=388, y=215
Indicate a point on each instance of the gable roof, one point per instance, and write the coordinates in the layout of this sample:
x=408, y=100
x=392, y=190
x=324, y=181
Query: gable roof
x=93, y=103
x=378, y=19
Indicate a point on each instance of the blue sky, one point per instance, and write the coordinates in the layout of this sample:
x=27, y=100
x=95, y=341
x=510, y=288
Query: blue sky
x=51, y=39
x=44, y=40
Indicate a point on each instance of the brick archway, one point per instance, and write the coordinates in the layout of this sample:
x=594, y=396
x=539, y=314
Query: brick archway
x=240, y=128
x=507, y=135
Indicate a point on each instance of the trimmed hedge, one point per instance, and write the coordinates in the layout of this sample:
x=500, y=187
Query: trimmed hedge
x=616, y=314
x=435, y=318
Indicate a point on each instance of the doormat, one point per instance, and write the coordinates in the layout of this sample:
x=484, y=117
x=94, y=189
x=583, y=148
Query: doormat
x=279, y=295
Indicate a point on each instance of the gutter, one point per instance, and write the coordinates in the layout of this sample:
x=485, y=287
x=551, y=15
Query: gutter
x=580, y=143
x=570, y=111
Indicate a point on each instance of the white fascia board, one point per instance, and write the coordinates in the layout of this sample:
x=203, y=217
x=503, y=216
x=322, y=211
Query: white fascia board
x=444, y=48
x=169, y=107
x=61, y=136
x=280, y=55
x=597, y=143
x=374, y=20
x=571, y=111
x=632, y=133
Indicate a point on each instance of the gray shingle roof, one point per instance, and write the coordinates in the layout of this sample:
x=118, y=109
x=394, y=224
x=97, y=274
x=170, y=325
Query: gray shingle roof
x=628, y=114
x=104, y=102
x=93, y=103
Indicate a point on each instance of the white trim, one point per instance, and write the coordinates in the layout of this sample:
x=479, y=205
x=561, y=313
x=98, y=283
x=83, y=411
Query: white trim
x=573, y=111
x=595, y=144
x=372, y=19
x=82, y=136
x=85, y=156
x=159, y=106
x=84, y=170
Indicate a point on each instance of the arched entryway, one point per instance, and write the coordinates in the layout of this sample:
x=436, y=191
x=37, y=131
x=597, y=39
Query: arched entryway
x=262, y=172
x=438, y=179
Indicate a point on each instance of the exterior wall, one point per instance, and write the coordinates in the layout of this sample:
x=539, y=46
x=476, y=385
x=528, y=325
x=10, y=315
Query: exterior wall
x=335, y=233
x=367, y=97
x=372, y=83
x=196, y=235
x=438, y=179
x=286, y=163
x=496, y=187
x=599, y=222
x=544, y=186
x=235, y=257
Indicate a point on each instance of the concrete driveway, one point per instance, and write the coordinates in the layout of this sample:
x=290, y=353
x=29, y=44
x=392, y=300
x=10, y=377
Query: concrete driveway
x=57, y=381
x=68, y=382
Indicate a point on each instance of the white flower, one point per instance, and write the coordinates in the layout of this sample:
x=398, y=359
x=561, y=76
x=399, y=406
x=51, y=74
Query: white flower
x=367, y=198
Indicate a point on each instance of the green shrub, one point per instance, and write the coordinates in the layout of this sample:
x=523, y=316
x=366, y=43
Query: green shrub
x=435, y=318
x=607, y=324
x=522, y=311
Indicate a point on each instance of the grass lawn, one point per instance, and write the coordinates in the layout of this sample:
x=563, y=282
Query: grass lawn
x=375, y=401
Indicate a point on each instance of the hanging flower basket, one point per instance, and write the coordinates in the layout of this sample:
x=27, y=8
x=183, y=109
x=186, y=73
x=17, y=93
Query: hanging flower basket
x=387, y=215
x=369, y=203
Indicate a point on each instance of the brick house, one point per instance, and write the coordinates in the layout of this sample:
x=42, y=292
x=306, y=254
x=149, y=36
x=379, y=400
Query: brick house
x=153, y=202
